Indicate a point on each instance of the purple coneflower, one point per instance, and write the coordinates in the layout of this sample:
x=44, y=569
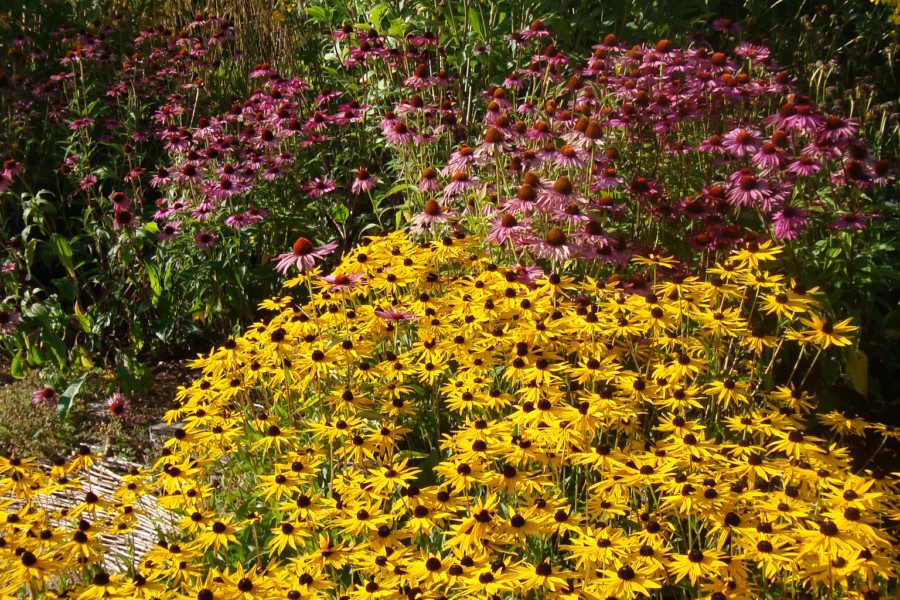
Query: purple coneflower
x=205, y=239
x=835, y=128
x=318, y=187
x=363, y=182
x=87, y=182
x=344, y=282
x=789, y=221
x=507, y=227
x=44, y=397
x=303, y=255
x=741, y=142
x=429, y=182
x=117, y=404
x=168, y=231
x=555, y=245
x=850, y=221
x=749, y=190
x=395, y=315
x=459, y=183
x=9, y=318
x=432, y=213
x=804, y=166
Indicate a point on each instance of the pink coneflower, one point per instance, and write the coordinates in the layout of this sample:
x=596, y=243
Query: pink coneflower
x=303, y=255
x=318, y=187
x=555, y=245
x=726, y=26
x=120, y=201
x=459, y=183
x=494, y=143
x=567, y=158
x=238, y=220
x=160, y=178
x=560, y=194
x=44, y=397
x=205, y=239
x=419, y=79
x=537, y=29
x=9, y=318
x=459, y=159
x=850, y=221
x=789, y=222
x=540, y=132
x=769, y=156
x=712, y=144
x=82, y=123
x=263, y=70
x=400, y=134
x=344, y=282
x=524, y=201
x=429, y=182
x=395, y=315
x=255, y=215
x=754, y=52
x=11, y=168
x=117, y=404
x=432, y=213
x=799, y=115
x=363, y=182
x=835, y=128
x=749, y=190
x=606, y=180
x=87, y=182
x=741, y=142
x=123, y=219
x=804, y=166
x=505, y=228
x=881, y=171
x=168, y=231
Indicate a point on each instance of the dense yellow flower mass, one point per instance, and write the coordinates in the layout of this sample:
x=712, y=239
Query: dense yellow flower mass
x=432, y=425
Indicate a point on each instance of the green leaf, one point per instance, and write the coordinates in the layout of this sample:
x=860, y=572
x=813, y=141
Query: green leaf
x=63, y=252
x=56, y=346
x=317, y=13
x=155, y=284
x=68, y=396
x=339, y=212
x=17, y=368
x=475, y=22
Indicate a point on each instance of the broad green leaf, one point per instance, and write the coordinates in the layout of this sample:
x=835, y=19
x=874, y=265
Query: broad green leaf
x=56, y=346
x=63, y=251
x=68, y=396
x=17, y=368
x=858, y=371
x=339, y=212
x=155, y=283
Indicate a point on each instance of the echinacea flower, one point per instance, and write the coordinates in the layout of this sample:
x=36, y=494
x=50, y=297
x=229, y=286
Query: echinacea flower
x=205, y=239
x=117, y=404
x=318, y=187
x=432, y=213
x=44, y=397
x=303, y=255
x=363, y=182
x=741, y=142
x=395, y=315
x=344, y=282
x=789, y=221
